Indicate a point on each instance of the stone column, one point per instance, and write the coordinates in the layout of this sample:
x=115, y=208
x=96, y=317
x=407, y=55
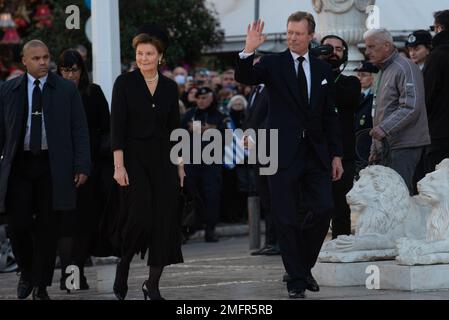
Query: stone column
x=346, y=19
x=105, y=44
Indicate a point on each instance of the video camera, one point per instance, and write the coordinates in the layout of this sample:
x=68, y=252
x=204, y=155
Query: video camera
x=317, y=50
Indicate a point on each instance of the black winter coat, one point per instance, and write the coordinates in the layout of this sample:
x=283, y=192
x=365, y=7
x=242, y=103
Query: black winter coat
x=66, y=129
x=436, y=82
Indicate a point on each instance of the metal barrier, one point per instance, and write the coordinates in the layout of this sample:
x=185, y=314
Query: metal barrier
x=254, y=222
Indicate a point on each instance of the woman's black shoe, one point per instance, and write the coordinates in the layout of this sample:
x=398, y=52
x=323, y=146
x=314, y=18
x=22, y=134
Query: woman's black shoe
x=146, y=293
x=120, y=287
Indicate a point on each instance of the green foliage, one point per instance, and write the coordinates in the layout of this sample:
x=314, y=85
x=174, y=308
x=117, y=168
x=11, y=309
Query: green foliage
x=191, y=27
x=58, y=37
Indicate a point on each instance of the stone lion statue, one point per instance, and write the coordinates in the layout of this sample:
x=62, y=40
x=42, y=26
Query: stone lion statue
x=434, y=190
x=386, y=213
x=340, y=6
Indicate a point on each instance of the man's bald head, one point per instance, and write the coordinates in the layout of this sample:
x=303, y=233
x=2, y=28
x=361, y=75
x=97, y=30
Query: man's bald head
x=36, y=58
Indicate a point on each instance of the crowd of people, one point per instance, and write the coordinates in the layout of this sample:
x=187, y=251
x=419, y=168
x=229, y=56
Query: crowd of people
x=79, y=180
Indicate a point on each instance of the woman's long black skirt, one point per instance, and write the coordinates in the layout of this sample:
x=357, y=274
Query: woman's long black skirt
x=148, y=217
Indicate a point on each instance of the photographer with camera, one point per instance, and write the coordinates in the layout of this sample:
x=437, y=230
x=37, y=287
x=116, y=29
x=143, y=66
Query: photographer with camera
x=334, y=50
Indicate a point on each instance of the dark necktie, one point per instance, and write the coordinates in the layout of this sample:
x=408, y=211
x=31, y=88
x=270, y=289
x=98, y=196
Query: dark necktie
x=36, y=119
x=302, y=83
x=254, y=96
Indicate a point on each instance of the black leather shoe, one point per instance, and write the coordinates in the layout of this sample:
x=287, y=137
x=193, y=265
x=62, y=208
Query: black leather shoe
x=297, y=293
x=40, y=294
x=286, y=277
x=211, y=237
x=266, y=251
x=271, y=251
x=24, y=288
x=312, y=285
x=259, y=252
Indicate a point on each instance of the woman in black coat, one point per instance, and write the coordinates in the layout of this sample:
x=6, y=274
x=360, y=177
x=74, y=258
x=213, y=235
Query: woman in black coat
x=79, y=228
x=144, y=112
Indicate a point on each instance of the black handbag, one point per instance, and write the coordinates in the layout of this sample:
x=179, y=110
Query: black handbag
x=191, y=210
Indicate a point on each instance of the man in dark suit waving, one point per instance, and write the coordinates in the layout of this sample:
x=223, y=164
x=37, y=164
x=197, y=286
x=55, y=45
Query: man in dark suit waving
x=301, y=108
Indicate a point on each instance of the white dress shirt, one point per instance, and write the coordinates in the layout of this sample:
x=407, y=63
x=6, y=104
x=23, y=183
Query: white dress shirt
x=305, y=66
x=26, y=142
x=366, y=92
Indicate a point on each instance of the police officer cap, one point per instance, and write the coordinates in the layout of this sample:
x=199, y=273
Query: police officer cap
x=419, y=37
x=203, y=90
x=366, y=66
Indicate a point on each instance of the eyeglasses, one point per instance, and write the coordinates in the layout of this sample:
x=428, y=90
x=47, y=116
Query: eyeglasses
x=68, y=70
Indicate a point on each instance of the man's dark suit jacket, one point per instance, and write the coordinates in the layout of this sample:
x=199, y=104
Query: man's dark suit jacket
x=66, y=130
x=318, y=121
x=256, y=117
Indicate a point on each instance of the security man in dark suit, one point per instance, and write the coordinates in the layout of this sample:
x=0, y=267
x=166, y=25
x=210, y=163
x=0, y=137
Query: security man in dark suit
x=256, y=118
x=302, y=109
x=44, y=141
x=363, y=115
x=347, y=97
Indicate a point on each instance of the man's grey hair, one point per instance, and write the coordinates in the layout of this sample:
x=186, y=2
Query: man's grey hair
x=33, y=44
x=382, y=35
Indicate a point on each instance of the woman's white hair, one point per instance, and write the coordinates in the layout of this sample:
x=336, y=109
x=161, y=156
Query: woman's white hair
x=382, y=35
x=235, y=98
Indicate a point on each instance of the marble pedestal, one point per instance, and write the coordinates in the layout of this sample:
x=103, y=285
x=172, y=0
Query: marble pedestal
x=344, y=274
x=414, y=278
x=391, y=275
x=105, y=278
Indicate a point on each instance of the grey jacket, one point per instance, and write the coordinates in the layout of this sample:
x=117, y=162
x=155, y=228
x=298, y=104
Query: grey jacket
x=400, y=108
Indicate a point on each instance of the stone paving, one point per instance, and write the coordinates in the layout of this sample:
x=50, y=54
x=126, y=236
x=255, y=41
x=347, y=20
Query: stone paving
x=213, y=271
